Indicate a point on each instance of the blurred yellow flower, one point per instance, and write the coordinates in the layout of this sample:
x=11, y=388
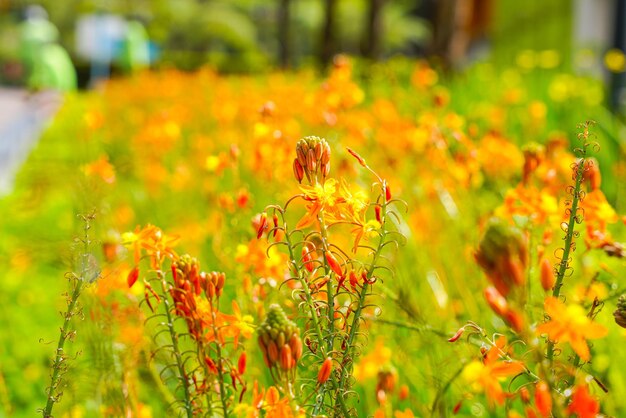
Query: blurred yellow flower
x=615, y=61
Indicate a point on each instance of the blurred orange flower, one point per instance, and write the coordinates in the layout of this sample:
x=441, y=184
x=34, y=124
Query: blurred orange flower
x=570, y=324
x=485, y=375
x=583, y=404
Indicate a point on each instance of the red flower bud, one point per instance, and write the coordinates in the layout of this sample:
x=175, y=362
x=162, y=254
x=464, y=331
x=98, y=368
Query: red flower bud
x=457, y=335
x=496, y=301
x=333, y=263
x=325, y=370
x=241, y=363
x=133, y=276
x=262, y=225
x=358, y=157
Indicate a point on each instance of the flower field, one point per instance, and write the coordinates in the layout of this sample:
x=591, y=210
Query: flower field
x=387, y=241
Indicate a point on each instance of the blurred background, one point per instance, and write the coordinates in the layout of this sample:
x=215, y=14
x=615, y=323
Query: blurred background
x=103, y=38
x=502, y=73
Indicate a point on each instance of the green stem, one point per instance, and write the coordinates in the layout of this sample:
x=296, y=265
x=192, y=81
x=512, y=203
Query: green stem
x=354, y=326
x=60, y=356
x=78, y=283
x=564, y=264
x=201, y=353
x=177, y=355
x=316, y=326
x=220, y=360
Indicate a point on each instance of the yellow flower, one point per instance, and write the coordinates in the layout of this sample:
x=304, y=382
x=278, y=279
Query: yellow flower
x=321, y=198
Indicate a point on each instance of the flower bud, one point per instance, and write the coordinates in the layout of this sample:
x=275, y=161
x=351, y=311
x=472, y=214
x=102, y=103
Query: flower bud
x=241, y=363
x=502, y=254
x=496, y=301
x=456, y=335
x=298, y=170
x=132, y=276
x=547, y=275
x=285, y=357
x=543, y=399
x=325, y=370
x=262, y=225
x=333, y=263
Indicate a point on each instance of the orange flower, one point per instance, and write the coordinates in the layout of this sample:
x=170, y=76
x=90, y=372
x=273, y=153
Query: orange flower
x=101, y=168
x=486, y=375
x=154, y=241
x=236, y=325
x=583, y=404
x=407, y=413
x=570, y=324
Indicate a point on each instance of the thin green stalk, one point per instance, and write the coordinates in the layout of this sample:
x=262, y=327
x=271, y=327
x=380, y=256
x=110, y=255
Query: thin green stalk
x=200, y=353
x=564, y=264
x=65, y=334
x=60, y=356
x=410, y=327
x=354, y=326
x=177, y=355
x=220, y=360
x=316, y=325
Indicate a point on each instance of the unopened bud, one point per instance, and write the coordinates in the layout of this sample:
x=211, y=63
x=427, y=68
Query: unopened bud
x=325, y=370
x=547, y=275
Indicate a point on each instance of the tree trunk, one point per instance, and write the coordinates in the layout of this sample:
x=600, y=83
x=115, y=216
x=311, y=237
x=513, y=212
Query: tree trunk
x=374, y=29
x=284, y=47
x=328, y=47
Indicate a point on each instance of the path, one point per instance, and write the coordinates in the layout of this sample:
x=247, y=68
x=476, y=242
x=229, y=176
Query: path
x=23, y=116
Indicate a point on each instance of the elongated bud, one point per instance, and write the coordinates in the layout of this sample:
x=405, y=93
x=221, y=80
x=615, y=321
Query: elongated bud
x=262, y=225
x=301, y=157
x=333, y=263
x=241, y=363
x=514, y=319
x=306, y=257
x=387, y=192
x=132, y=276
x=456, y=335
x=496, y=301
x=353, y=279
x=378, y=211
x=547, y=275
x=358, y=157
x=298, y=170
x=296, y=347
x=318, y=151
x=326, y=170
x=325, y=370
x=285, y=357
x=272, y=352
x=311, y=162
